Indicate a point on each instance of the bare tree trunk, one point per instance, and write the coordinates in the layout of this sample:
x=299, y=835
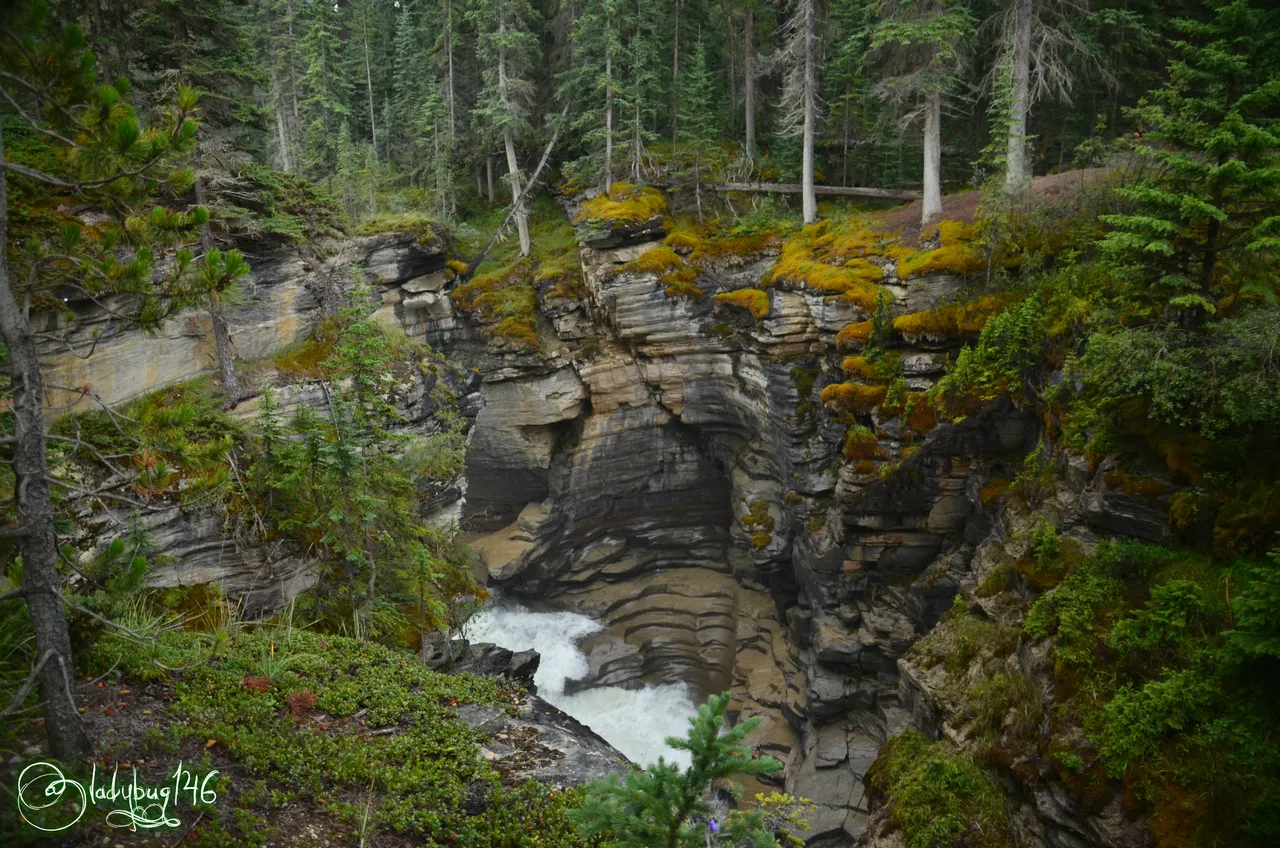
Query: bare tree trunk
x=749, y=85
x=284, y=140
x=368, y=81
x=675, y=83
x=448, y=48
x=697, y=180
x=809, y=202
x=1018, y=168
x=513, y=167
x=488, y=172
x=608, y=120
x=932, y=156
x=40, y=580
x=844, y=148
x=637, y=142
x=293, y=67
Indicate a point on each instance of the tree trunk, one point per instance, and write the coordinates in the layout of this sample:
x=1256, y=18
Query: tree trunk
x=448, y=47
x=608, y=120
x=513, y=167
x=809, y=203
x=488, y=173
x=749, y=85
x=1018, y=168
x=368, y=81
x=675, y=83
x=293, y=67
x=932, y=156
x=40, y=579
x=226, y=352
x=284, y=141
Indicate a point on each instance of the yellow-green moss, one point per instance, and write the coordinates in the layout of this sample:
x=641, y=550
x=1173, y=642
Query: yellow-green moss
x=759, y=520
x=625, y=203
x=953, y=319
x=754, y=301
x=798, y=264
x=954, y=255
x=853, y=397
x=860, y=443
x=1136, y=485
x=506, y=301
x=857, y=333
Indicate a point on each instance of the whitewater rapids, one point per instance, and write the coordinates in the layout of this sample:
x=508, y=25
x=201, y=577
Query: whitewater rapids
x=635, y=721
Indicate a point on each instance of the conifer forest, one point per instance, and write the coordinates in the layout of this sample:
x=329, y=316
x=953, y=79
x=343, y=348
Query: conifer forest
x=640, y=423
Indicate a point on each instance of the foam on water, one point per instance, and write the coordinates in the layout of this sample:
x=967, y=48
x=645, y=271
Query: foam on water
x=635, y=721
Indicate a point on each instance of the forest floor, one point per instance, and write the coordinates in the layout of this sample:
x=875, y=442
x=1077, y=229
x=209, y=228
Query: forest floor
x=1048, y=191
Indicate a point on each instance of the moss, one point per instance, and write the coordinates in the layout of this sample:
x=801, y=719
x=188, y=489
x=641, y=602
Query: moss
x=860, y=443
x=853, y=397
x=417, y=780
x=455, y=266
x=1000, y=580
x=759, y=520
x=754, y=301
x=1136, y=485
x=506, y=301
x=919, y=414
x=625, y=204
x=954, y=255
x=657, y=260
x=424, y=227
x=993, y=490
x=1048, y=560
x=798, y=264
x=953, y=319
x=306, y=360
x=857, y=333
x=860, y=366
x=794, y=498
x=936, y=797
x=804, y=379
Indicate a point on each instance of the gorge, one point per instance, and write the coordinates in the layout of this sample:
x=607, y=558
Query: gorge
x=665, y=467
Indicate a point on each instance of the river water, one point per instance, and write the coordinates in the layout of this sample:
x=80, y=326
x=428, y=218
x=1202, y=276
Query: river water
x=635, y=721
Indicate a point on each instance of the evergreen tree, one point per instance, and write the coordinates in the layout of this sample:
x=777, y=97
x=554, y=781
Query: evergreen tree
x=639, y=96
x=920, y=44
x=92, y=153
x=1205, y=225
x=664, y=806
x=327, y=92
x=700, y=119
x=592, y=82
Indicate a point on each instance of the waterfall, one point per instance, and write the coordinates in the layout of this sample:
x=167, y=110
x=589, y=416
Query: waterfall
x=635, y=721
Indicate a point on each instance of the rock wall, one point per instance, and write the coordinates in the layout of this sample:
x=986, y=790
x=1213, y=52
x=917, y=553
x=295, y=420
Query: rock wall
x=666, y=467
x=289, y=291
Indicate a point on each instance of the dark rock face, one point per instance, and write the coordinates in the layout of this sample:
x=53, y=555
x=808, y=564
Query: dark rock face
x=669, y=471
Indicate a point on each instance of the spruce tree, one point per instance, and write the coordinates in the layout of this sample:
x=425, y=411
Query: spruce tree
x=701, y=124
x=664, y=807
x=327, y=92
x=592, y=82
x=1205, y=225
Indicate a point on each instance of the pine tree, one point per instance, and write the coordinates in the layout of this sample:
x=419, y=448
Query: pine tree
x=592, y=82
x=639, y=96
x=663, y=806
x=327, y=92
x=97, y=155
x=1206, y=224
x=701, y=124
x=920, y=44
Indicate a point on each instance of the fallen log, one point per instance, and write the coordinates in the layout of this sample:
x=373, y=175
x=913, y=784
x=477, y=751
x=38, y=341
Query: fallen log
x=821, y=190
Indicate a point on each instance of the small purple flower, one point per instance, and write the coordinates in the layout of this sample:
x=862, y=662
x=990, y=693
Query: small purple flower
x=713, y=826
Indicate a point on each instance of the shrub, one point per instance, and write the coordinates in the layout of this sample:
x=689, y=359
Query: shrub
x=936, y=797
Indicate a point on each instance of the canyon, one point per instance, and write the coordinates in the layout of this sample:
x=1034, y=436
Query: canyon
x=663, y=465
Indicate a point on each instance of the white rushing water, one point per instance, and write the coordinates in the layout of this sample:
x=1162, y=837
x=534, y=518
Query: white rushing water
x=635, y=721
